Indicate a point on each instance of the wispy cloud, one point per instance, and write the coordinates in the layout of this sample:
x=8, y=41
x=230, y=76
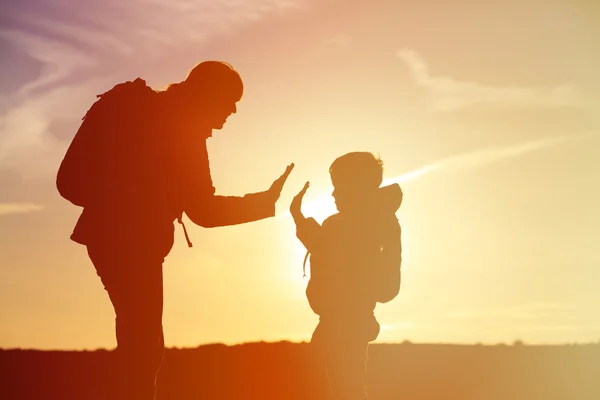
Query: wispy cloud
x=398, y=326
x=480, y=157
x=19, y=208
x=82, y=49
x=449, y=94
x=323, y=206
x=59, y=59
x=338, y=42
x=533, y=310
x=63, y=36
x=548, y=319
x=23, y=127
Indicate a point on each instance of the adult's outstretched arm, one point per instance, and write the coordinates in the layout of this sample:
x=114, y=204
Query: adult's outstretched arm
x=212, y=211
x=208, y=210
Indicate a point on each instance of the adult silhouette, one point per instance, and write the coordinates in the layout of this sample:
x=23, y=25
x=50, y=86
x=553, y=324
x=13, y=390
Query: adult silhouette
x=137, y=163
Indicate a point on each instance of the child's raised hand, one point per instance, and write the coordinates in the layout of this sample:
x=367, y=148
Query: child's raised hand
x=296, y=205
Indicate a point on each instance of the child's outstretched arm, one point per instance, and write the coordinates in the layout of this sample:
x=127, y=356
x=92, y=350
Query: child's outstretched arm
x=307, y=229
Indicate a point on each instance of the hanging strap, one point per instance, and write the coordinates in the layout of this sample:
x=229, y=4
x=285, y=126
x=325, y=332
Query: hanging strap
x=304, y=264
x=187, y=238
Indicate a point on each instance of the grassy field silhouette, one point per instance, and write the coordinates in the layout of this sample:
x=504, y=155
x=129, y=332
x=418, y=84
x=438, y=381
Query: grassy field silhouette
x=285, y=370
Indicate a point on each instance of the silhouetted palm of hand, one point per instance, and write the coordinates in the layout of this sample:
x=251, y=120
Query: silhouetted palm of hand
x=277, y=186
x=296, y=205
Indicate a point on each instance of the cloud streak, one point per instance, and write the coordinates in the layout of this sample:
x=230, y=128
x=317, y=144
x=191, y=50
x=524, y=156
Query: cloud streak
x=19, y=208
x=534, y=310
x=63, y=37
x=449, y=94
x=82, y=49
x=530, y=319
x=480, y=157
x=324, y=206
x=59, y=59
x=398, y=326
x=338, y=42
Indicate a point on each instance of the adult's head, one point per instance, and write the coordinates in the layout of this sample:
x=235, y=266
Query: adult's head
x=208, y=96
x=355, y=177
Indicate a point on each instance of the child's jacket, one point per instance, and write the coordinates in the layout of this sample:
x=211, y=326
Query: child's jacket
x=355, y=259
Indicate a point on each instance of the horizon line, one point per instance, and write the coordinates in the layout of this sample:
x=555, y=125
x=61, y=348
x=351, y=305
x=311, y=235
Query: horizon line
x=514, y=343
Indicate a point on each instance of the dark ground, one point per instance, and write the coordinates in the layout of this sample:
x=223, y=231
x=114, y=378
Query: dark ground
x=283, y=371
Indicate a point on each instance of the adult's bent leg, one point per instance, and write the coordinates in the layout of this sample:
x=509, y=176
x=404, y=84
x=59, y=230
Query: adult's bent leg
x=134, y=282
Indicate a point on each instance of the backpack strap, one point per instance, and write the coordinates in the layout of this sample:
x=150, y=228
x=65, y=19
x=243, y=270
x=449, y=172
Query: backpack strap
x=304, y=264
x=187, y=238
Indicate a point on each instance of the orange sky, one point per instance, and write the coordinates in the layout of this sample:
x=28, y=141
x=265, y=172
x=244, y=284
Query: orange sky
x=487, y=115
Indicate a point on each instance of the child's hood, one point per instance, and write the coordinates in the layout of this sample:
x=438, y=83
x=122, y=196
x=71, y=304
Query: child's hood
x=390, y=197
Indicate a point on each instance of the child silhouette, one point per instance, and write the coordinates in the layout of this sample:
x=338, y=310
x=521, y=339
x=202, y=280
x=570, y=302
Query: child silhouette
x=355, y=263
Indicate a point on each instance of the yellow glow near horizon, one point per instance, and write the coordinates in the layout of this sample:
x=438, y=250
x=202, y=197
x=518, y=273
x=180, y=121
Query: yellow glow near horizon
x=500, y=201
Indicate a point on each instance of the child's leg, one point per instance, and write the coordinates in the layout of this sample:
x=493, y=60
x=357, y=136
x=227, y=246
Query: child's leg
x=346, y=366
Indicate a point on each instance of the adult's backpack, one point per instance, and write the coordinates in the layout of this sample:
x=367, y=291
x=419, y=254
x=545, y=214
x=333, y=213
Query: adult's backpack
x=119, y=158
x=105, y=141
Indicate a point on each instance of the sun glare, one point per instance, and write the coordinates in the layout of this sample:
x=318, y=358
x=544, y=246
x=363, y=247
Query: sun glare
x=319, y=208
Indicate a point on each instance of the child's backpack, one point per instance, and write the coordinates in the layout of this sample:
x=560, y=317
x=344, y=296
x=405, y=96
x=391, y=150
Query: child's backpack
x=386, y=269
x=388, y=276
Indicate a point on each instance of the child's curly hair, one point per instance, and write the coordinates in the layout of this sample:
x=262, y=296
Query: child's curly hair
x=359, y=167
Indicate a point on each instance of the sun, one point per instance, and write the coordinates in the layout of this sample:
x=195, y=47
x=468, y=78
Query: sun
x=320, y=208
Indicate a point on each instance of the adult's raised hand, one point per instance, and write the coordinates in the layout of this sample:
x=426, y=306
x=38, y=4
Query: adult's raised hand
x=275, y=189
